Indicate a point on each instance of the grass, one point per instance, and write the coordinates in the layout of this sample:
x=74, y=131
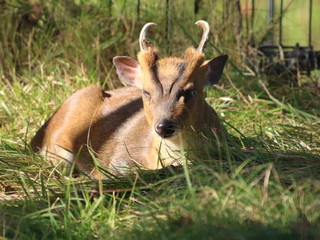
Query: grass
x=263, y=184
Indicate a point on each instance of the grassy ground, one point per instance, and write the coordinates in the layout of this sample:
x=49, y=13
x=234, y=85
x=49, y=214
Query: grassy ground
x=264, y=185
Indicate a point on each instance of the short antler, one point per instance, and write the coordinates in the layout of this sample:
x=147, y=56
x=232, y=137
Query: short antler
x=142, y=37
x=206, y=29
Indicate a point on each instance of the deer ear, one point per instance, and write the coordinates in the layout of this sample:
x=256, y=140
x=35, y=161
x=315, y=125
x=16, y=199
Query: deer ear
x=215, y=69
x=128, y=70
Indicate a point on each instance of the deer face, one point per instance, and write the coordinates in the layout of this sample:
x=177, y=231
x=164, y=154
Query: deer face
x=172, y=88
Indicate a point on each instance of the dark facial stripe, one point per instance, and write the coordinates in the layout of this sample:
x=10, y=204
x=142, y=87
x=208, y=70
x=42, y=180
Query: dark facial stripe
x=182, y=68
x=155, y=72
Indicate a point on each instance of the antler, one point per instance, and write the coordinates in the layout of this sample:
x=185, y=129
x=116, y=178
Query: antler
x=206, y=29
x=142, y=37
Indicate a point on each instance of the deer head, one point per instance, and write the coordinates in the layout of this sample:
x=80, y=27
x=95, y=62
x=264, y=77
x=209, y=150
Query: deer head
x=171, y=88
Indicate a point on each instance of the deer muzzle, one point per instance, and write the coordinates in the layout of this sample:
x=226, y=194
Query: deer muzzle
x=166, y=129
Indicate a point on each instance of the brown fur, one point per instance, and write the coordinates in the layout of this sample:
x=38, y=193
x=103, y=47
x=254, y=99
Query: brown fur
x=117, y=127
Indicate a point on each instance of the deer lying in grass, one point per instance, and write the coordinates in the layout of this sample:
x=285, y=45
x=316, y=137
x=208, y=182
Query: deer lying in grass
x=144, y=124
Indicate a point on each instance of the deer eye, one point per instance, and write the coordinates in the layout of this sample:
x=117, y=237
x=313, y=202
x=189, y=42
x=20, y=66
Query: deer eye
x=187, y=94
x=146, y=94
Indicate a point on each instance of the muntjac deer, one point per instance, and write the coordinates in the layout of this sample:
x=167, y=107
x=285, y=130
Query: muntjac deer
x=142, y=125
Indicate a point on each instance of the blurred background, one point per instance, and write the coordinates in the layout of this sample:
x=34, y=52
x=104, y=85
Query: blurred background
x=65, y=35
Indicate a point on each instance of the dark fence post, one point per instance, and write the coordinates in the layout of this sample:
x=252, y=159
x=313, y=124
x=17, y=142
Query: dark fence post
x=310, y=24
x=196, y=8
x=168, y=26
x=270, y=20
x=138, y=9
x=110, y=8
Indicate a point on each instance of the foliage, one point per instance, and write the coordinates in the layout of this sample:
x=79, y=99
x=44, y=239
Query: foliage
x=263, y=183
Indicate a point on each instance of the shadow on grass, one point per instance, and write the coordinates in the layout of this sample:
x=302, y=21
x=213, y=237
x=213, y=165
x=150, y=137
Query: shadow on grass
x=15, y=224
x=18, y=221
x=304, y=98
x=185, y=227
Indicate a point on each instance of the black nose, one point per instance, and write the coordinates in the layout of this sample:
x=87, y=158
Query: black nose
x=166, y=128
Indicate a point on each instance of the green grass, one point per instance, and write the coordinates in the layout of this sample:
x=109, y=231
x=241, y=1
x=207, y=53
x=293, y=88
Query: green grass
x=263, y=184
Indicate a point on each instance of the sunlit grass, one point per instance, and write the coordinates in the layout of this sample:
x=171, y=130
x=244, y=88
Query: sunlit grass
x=262, y=183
